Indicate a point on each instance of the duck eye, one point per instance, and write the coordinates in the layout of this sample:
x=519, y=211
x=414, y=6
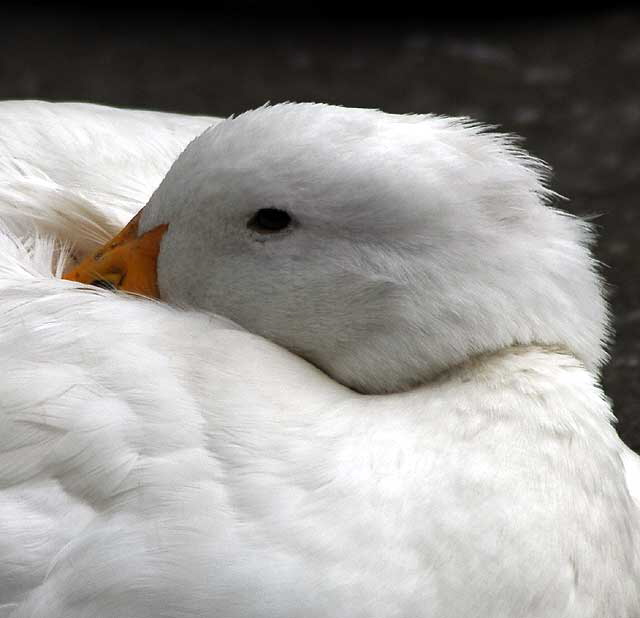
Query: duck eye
x=101, y=283
x=269, y=220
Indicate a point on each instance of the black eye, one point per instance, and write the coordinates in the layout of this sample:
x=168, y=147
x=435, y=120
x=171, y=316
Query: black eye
x=269, y=220
x=101, y=283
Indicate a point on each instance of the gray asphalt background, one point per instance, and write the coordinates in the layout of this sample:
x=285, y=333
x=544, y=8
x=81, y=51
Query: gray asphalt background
x=569, y=85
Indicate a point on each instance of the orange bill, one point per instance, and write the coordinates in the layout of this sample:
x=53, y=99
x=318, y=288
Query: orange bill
x=127, y=262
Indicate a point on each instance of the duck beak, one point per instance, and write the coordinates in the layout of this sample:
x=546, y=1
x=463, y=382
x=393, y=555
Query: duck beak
x=128, y=262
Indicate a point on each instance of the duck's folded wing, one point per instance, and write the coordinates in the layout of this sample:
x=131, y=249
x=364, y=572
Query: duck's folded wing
x=98, y=430
x=79, y=171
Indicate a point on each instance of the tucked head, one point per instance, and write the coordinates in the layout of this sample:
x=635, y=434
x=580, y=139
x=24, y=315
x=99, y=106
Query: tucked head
x=382, y=248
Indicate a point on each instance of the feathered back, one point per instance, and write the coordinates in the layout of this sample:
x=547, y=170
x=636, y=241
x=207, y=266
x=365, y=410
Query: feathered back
x=79, y=171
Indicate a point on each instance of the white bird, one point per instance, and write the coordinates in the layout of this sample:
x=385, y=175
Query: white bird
x=404, y=417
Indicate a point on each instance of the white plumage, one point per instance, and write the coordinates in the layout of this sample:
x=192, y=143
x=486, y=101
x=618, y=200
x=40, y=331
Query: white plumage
x=79, y=171
x=164, y=462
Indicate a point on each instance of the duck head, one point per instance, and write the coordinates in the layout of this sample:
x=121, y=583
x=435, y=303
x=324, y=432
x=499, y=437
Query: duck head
x=382, y=248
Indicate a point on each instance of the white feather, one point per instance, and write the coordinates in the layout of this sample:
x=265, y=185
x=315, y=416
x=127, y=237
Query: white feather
x=79, y=171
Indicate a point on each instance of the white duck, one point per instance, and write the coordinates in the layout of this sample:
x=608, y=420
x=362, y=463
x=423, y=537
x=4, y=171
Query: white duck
x=446, y=451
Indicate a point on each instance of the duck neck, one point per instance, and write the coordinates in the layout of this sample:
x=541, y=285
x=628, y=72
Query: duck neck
x=539, y=385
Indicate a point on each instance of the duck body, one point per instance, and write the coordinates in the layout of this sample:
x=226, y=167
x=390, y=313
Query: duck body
x=190, y=496
x=167, y=463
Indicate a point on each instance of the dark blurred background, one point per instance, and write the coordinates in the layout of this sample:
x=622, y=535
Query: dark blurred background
x=569, y=84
